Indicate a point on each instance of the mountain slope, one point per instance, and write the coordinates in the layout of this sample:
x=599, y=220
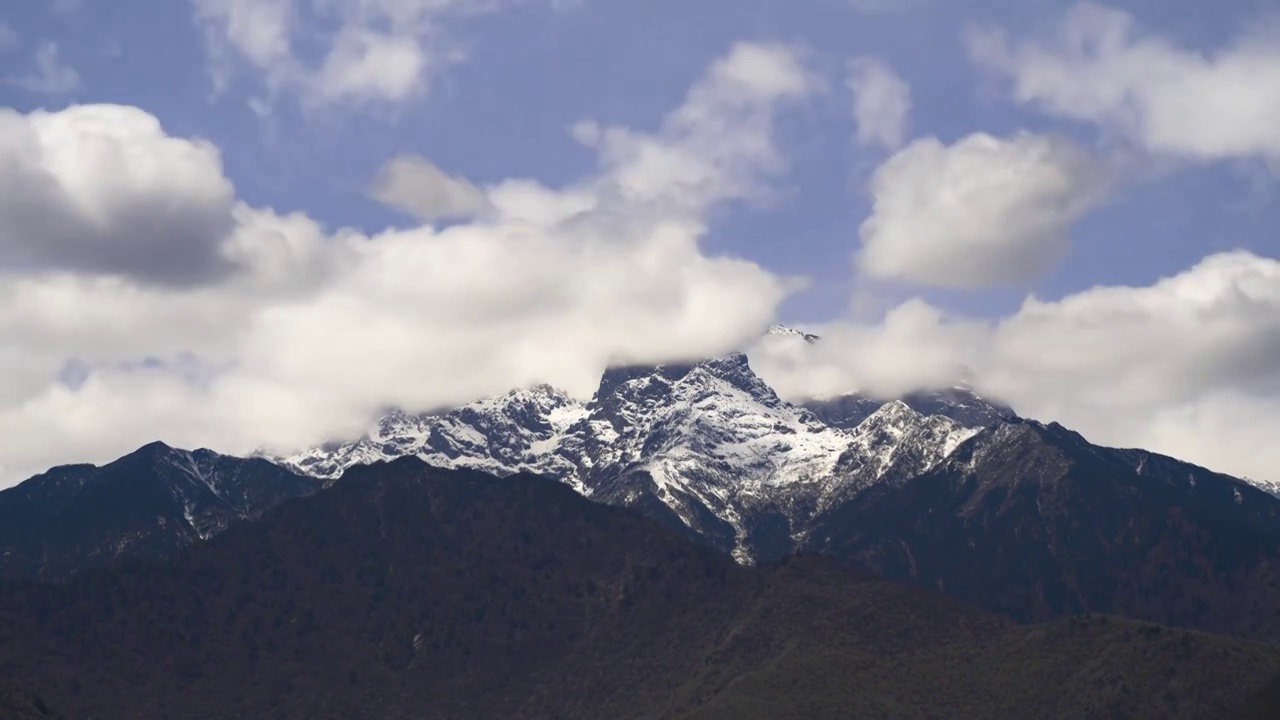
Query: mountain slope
x=410, y=592
x=1034, y=522
x=147, y=504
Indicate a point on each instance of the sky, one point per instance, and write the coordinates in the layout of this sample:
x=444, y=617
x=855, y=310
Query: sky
x=247, y=224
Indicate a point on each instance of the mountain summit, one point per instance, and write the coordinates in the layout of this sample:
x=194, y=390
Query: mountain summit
x=707, y=446
x=941, y=488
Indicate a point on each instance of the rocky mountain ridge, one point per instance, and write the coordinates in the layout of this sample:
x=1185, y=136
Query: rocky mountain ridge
x=147, y=504
x=707, y=446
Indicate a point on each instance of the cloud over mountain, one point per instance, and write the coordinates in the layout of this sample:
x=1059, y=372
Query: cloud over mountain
x=1189, y=366
x=295, y=334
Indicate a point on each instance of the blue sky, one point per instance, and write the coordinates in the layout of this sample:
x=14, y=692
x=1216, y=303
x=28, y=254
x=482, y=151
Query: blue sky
x=193, y=275
x=531, y=72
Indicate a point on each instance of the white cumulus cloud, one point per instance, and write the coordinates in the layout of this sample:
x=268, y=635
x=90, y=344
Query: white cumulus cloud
x=982, y=211
x=103, y=190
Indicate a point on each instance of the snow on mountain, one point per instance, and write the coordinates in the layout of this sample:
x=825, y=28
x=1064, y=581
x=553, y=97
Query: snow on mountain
x=896, y=442
x=960, y=403
x=776, y=330
x=708, y=445
x=709, y=438
x=516, y=432
x=1268, y=486
x=716, y=415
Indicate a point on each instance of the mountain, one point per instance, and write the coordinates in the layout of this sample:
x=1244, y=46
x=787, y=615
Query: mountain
x=958, y=403
x=1020, y=518
x=147, y=504
x=776, y=330
x=405, y=591
x=1024, y=519
x=707, y=447
x=1271, y=487
x=1034, y=522
x=517, y=432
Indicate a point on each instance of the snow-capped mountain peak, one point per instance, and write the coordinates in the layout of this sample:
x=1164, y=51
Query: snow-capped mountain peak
x=895, y=443
x=776, y=330
x=518, y=431
x=708, y=441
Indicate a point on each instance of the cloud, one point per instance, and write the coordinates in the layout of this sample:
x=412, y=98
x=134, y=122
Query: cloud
x=315, y=332
x=1214, y=327
x=695, y=159
x=100, y=189
x=1100, y=67
x=372, y=51
x=1188, y=366
x=881, y=103
x=982, y=211
x=414, y=185
x=913, y=346
x=366, y=64
x=50, y=75
x=258, y=29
